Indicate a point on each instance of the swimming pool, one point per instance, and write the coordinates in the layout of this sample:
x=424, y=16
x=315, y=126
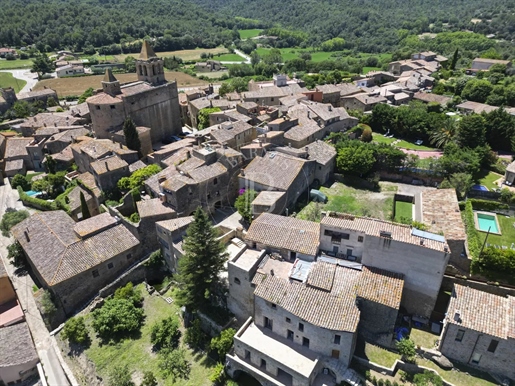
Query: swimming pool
x=481, y=188
x=32, y=192
x=486, y=222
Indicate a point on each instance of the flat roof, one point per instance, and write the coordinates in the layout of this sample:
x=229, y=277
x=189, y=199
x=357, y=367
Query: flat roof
x=247, y=259
x=280, y=268
x=291, y=355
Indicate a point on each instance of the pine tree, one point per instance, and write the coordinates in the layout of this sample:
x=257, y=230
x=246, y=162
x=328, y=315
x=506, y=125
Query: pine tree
x=84, y=207
x=201, y=264
x=131, y=135
x=454, y=60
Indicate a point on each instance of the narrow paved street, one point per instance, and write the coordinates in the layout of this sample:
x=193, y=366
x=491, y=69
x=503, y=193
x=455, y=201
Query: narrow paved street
x=23, y=286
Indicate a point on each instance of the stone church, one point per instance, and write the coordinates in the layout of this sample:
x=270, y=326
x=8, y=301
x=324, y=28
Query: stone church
x=151, y=101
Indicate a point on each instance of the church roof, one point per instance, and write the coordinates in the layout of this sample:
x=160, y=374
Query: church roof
x=109, y=77
x=147, y=51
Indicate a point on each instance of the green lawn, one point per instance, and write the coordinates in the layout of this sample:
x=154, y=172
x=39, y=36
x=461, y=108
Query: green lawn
x=507, y=236
x=489, y=179
x=463, y=377
x=423, y=338
x=380, y=356
x=229, y=58
x=137, y=353
x=8, y=80
x=379, y=138
x=366, y=70
x=360, y=202
x=403, y=209
x=15, y=64
x=249, y=33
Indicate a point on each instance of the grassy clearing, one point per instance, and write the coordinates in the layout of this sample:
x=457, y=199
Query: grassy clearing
x=380, y=356
x=360, y=202
x=77, y=85
x=186, y=55
x=366, y=70
x=464, y=377
x=8, y=80
x=507, y=236
x=229, y=58
x=213, y=75
x=249, y=33
x=403, y=209
x=379, y=138
x=488, y=178
x=137, y=353
x=423, y=338
x=15, y=64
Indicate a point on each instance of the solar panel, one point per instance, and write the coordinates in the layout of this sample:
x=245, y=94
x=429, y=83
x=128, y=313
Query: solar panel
x=427, y=235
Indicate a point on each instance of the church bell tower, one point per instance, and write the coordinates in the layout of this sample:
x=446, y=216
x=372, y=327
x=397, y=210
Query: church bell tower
x=149, y=67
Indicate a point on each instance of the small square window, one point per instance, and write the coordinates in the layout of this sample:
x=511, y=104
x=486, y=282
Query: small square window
x=129, y=256
x=459, y=335
x=305, y=342
x=247, y=355
x=274, y=306
x=288, y=320
x=98, y=107
x=301, y=326
x=112, y=107
x=95, y=273
x=110, y=265
x=337, y=339
x=263, y=364
x=360, y=239
x=237, y=281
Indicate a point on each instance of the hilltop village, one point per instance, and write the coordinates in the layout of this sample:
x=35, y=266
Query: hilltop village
x=124, y=192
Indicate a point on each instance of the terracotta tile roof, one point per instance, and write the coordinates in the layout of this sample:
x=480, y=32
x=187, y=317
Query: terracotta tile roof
x=190, y=164
x=136, y=166
x=322, y=152
x=176, y=223
x=441, y=213
x=373, y=227
x=275, y=170
x=476, y=107
x=481, y=311
x=98, y=148
x=302, y=132
x=173, y=147
x=103, y=99
x=430, y=97
x=153, y=182
x=204, y=173
x=13, y=165
x=67, y=135
x=88, y=181
x=227, y=131
x=107, y=165
x=86, y=254
x=74, y=197
x=267, y=198
x=178, y=157
x=52, y=119
x=16, y=147
x=136, y=88
x=16, y=346
x=153, y=207
x=94, y=224
x=285, y=233
x=316, y=307
x=321, y=276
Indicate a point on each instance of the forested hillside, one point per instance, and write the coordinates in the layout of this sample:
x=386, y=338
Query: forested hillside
x=365, y=25
x=80, y=23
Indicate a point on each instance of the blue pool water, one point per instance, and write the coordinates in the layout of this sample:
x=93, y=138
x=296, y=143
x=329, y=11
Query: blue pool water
x=486, y=221
x=32, y=192
x=480, y=187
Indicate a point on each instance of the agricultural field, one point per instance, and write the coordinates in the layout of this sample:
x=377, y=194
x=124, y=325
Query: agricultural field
x=319, y=56
x=8, y=80
x=75, y=86
x=15, y=64
x=229, y=58
x=186, y=55
x=366, y=70
x=249, y=33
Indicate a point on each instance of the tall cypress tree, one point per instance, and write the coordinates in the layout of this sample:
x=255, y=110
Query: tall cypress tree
x=131, y=135
x=201, y=264
x=84, y=207
x=454, y=60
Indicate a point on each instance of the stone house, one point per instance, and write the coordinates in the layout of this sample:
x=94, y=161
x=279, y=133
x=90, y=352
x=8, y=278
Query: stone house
x=30, y=125
x=470, y=107
x=276, y=171
x=234, y=134
x=362, y=102
x=150, y=212
x=209, y=66
x=230, y=115
x=268, y=202
x=479, y=331
x=75, y=260
x=60, y=140
x=19, y=357
x=421, y=257
x=482, y=64
x=305, y=317
x=108, y=171
x=144, y=139
x=74, y=203
x=170, y=234
x=17, y=159
x=151, y=101
x=509, y=175
x=91, y=150
x=303, y=134
x=38, y=95
x=426, y=97
x=4, y=51
x=166, y=151
x=325, y=155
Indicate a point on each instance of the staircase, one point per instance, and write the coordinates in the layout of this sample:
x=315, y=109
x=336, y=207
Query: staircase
x=341, y=372
x=239, y=243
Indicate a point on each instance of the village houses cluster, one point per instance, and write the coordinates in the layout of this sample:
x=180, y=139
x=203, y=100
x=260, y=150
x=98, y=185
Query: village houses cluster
x=301, y=291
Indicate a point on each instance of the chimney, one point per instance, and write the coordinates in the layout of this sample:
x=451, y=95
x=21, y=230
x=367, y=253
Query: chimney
x=309, y=114
x=188, y=155
x=35, y=119
x=112, y=138
x=421, y=241
x=107, y=166
x=26, y=233
x=306, y=148
x=272, y=272
x=242, y=173
x=260, y=144
x=289, y=144
x=121, y=146
x=330, y=108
